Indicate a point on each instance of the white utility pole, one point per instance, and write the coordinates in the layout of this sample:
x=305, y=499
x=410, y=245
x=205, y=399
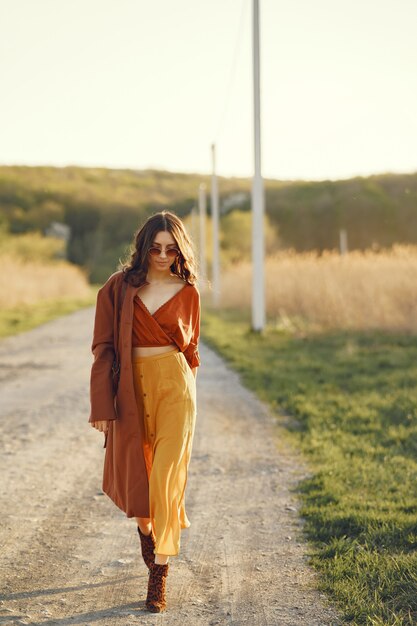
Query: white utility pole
x=215, y=226
x=343, y=243
x=258, y=286
x=194, y=224
x=202, y=212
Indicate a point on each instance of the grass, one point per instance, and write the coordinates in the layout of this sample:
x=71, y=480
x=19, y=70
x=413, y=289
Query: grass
x=363, y=290
x=26, y=316
x=35, y=285
x=352, y=397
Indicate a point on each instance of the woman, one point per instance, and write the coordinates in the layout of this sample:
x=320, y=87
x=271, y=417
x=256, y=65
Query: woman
x=149, y=423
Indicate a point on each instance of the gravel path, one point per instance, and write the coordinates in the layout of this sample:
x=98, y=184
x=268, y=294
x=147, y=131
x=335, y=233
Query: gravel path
x=69, y=556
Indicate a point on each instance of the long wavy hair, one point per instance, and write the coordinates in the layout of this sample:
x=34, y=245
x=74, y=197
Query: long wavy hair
x=184, y=265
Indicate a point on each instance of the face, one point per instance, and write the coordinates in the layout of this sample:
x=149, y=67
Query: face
x=163, y=241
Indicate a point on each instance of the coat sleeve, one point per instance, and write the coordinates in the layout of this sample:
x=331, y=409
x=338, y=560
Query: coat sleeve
x=101, y=380
x=191, y=352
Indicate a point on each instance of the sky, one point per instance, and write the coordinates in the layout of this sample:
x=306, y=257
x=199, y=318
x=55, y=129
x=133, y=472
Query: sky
x=152, y=84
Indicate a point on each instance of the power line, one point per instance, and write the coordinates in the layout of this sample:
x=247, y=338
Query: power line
x=236, y=52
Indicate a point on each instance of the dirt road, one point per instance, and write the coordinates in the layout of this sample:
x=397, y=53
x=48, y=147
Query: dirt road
x=69, y=556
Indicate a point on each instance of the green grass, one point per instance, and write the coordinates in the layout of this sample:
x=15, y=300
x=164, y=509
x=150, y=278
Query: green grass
x=352, y=402
x=25, y=317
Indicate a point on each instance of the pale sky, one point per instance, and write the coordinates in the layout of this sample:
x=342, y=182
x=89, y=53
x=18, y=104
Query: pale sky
x=152, y=83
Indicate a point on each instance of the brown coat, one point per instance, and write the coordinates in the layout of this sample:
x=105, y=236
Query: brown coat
x=125, y=478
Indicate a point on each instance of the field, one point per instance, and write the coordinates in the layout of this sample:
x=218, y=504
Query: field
x=314, y=292
x=337, y=364
x=35, y=285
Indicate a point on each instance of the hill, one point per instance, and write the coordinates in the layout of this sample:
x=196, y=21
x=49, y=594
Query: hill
x=103, y=207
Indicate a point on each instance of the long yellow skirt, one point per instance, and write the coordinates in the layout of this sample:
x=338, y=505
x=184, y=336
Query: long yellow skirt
x=165, y=390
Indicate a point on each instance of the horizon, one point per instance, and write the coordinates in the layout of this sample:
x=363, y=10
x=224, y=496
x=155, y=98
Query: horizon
x=196, y=174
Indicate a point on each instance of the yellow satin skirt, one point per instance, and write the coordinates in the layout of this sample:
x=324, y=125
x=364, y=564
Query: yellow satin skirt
x=165, y=390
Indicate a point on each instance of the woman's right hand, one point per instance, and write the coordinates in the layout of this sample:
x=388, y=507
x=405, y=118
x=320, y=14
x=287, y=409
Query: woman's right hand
x=102, y=425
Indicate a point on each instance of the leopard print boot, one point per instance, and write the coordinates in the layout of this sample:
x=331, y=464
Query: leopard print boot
x=156, y=598
x=147, y=544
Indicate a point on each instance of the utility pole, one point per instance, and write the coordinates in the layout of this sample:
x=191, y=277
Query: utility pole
x=258, y=281
x=343, y=242
x=215, y=226
x=202, y=213
x=194, y=223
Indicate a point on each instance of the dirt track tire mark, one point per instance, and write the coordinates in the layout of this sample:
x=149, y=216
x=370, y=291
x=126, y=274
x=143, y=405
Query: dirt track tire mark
x=69, y=556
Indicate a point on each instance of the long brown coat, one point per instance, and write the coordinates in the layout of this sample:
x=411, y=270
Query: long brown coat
x=125, y=478
x=124, y=462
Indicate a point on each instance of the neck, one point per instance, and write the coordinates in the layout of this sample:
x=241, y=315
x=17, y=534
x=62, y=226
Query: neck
x=158, y=276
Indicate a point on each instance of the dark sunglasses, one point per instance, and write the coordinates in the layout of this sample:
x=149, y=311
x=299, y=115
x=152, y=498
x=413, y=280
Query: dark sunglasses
x=170, y=252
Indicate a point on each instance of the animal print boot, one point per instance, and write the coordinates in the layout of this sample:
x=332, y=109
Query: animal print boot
x=147, y=544
x=156, y=598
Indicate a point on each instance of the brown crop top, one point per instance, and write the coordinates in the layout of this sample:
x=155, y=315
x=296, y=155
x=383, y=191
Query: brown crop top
x=177, y=321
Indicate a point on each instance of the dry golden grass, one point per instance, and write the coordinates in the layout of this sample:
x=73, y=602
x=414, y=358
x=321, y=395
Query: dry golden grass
x=31, y=272
x=28, y=282
x=362, y=290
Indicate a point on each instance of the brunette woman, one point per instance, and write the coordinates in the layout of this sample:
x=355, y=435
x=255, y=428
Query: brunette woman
x=151, y=309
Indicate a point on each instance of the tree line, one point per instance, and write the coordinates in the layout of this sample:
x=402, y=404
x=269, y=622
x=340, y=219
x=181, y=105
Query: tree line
x=103, y=207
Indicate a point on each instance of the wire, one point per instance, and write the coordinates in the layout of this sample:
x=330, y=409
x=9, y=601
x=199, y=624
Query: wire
x=236, y=52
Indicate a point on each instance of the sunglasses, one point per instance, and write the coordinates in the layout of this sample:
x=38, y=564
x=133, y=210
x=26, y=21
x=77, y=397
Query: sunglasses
x=170, y=252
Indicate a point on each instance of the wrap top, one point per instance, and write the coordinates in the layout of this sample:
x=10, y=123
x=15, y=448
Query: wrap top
x=176, y=321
